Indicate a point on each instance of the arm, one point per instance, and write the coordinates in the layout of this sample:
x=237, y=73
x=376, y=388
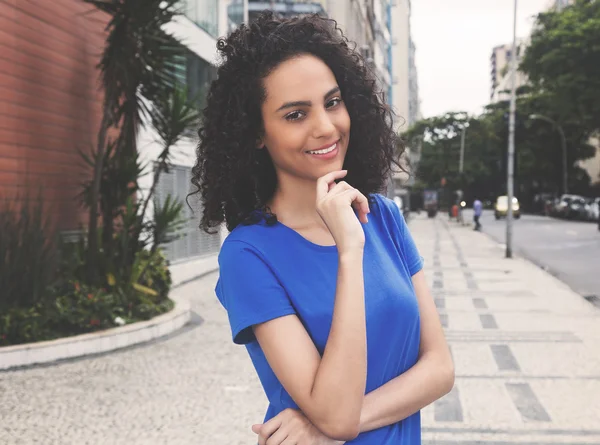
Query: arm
x=429, y=379
x=328, y=390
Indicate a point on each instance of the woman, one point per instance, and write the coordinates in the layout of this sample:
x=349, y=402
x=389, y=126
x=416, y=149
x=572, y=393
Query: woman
x=320, y=277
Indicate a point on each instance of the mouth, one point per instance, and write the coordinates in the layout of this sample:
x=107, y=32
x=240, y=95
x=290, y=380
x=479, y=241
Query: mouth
x=328, y=151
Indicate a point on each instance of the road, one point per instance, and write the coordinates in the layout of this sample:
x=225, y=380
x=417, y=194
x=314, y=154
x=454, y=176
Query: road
x=570, y=250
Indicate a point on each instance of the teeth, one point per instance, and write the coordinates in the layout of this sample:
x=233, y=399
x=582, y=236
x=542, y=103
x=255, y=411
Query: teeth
x=324, y=151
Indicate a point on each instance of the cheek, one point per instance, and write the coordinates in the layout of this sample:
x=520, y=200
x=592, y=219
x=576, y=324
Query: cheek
x=283, y=138
x=344, y=120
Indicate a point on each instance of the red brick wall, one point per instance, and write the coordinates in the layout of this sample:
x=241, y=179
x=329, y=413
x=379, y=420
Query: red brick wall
x=50, y=105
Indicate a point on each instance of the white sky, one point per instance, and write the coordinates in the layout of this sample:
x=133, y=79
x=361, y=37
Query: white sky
x=454, y=40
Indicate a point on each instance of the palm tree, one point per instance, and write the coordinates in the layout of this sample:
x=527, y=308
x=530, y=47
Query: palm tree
x=138, y=67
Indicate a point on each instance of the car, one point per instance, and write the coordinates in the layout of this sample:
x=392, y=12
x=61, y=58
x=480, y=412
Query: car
x=593, y=209
x=501, y=207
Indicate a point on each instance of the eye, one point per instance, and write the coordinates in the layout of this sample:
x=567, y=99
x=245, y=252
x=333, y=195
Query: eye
x=294, y=116
x=334, y=102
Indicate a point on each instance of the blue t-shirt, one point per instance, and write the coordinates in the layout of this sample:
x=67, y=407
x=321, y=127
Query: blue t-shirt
x=269, y=271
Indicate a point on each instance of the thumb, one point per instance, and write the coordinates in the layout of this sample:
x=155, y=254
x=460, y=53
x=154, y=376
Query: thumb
x=256, y=428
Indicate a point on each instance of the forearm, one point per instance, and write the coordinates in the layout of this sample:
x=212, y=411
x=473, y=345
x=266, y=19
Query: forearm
x=339, y=385
x=429, y=379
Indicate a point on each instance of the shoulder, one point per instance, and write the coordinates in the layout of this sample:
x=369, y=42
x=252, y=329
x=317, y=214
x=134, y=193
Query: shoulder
x=385, y=208
x=249, y=242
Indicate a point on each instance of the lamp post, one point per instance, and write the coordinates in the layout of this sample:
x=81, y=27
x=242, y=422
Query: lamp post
x=461, y=162
x=511, y=138
x=563, y=142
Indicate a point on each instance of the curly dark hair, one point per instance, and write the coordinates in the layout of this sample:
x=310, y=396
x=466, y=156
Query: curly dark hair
x=235, y=179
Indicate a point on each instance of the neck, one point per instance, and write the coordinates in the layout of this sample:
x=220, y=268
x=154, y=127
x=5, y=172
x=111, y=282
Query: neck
x=294, y=201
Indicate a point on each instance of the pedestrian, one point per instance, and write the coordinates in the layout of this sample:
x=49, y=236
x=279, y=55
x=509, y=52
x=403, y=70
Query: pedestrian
x=319, y=275
x=477, y=210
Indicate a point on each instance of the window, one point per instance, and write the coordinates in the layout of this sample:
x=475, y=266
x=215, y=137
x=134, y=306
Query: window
x=193, y=242
x=197, y=75
x=235, y=14
x=205, y=14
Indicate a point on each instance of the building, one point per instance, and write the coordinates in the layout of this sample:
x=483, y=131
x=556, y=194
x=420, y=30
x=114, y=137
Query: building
x=405, y=90
x=50, y=106
x=500, y=70
x=351, y=17
x=286, y=8
x=198, y=29
x=379, y=16
x=414, y=101
x=400, y=64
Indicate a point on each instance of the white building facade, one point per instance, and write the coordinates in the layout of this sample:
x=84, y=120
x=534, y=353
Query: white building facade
x=405, y=91
x=500, y=78
x=204, y=21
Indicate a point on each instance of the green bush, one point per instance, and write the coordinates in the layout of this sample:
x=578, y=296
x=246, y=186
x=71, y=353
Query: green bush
x=75, y=308
x=27, y=253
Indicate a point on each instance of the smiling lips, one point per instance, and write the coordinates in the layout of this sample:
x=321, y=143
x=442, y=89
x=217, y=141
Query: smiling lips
x=327, y=152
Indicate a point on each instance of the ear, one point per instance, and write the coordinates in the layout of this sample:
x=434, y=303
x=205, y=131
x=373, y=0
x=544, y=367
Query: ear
x=260, y=142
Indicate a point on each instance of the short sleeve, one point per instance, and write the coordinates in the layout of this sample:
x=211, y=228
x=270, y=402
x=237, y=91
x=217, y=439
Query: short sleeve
x=249, y=290
x=411, y=254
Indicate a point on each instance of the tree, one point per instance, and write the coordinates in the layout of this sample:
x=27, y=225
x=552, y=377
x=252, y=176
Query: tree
x=138, y=66
x=538, y=154
x=563, y=62
x=440, y=153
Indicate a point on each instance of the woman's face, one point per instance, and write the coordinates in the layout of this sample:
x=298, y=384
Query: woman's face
x=306, y=124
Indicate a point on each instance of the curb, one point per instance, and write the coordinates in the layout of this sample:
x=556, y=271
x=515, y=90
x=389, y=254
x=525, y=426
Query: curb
x=96, y=342
x=108, y=340
x=523, y=254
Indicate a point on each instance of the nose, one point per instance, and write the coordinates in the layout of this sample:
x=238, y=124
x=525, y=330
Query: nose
x=323, y=126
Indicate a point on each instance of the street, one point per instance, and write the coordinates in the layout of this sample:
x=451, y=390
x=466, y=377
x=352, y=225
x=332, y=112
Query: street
x=570, y=250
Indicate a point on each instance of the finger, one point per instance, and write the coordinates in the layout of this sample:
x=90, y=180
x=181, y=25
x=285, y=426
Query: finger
x=324, y=181
x=256, y=428
x=359, y=202
x=341, y=186
x=267, y=429
x=278, y=437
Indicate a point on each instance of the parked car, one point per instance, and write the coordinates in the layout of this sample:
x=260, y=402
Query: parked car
x=501, y=207
x=563, y=207
x=577, y=209
x=541, y=203
x=593, y=209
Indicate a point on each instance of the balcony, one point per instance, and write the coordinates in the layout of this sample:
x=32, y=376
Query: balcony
x=285, y=8
x=205, y=14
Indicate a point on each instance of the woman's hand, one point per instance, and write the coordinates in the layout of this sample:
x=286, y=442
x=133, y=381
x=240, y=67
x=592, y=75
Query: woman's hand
x=334, y=205
x=291, y=427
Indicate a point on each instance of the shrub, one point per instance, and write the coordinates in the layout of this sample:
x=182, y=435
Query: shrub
x=27, y=253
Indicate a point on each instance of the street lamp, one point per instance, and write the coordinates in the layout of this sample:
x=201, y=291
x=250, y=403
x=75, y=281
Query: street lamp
x=461, y=163
x=563, y=142
x=510, y=164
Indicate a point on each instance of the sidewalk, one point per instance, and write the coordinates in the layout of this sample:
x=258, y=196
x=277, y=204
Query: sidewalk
x=526, y=350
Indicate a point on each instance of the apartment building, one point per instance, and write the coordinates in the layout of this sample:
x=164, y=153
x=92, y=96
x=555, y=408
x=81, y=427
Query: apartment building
x=500, y=70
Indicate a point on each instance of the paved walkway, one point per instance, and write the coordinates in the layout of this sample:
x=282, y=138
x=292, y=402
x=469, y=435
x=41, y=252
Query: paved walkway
x=526, y=348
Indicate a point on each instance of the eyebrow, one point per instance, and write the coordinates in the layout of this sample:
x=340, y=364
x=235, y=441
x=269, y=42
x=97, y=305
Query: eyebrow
x=305, y=103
